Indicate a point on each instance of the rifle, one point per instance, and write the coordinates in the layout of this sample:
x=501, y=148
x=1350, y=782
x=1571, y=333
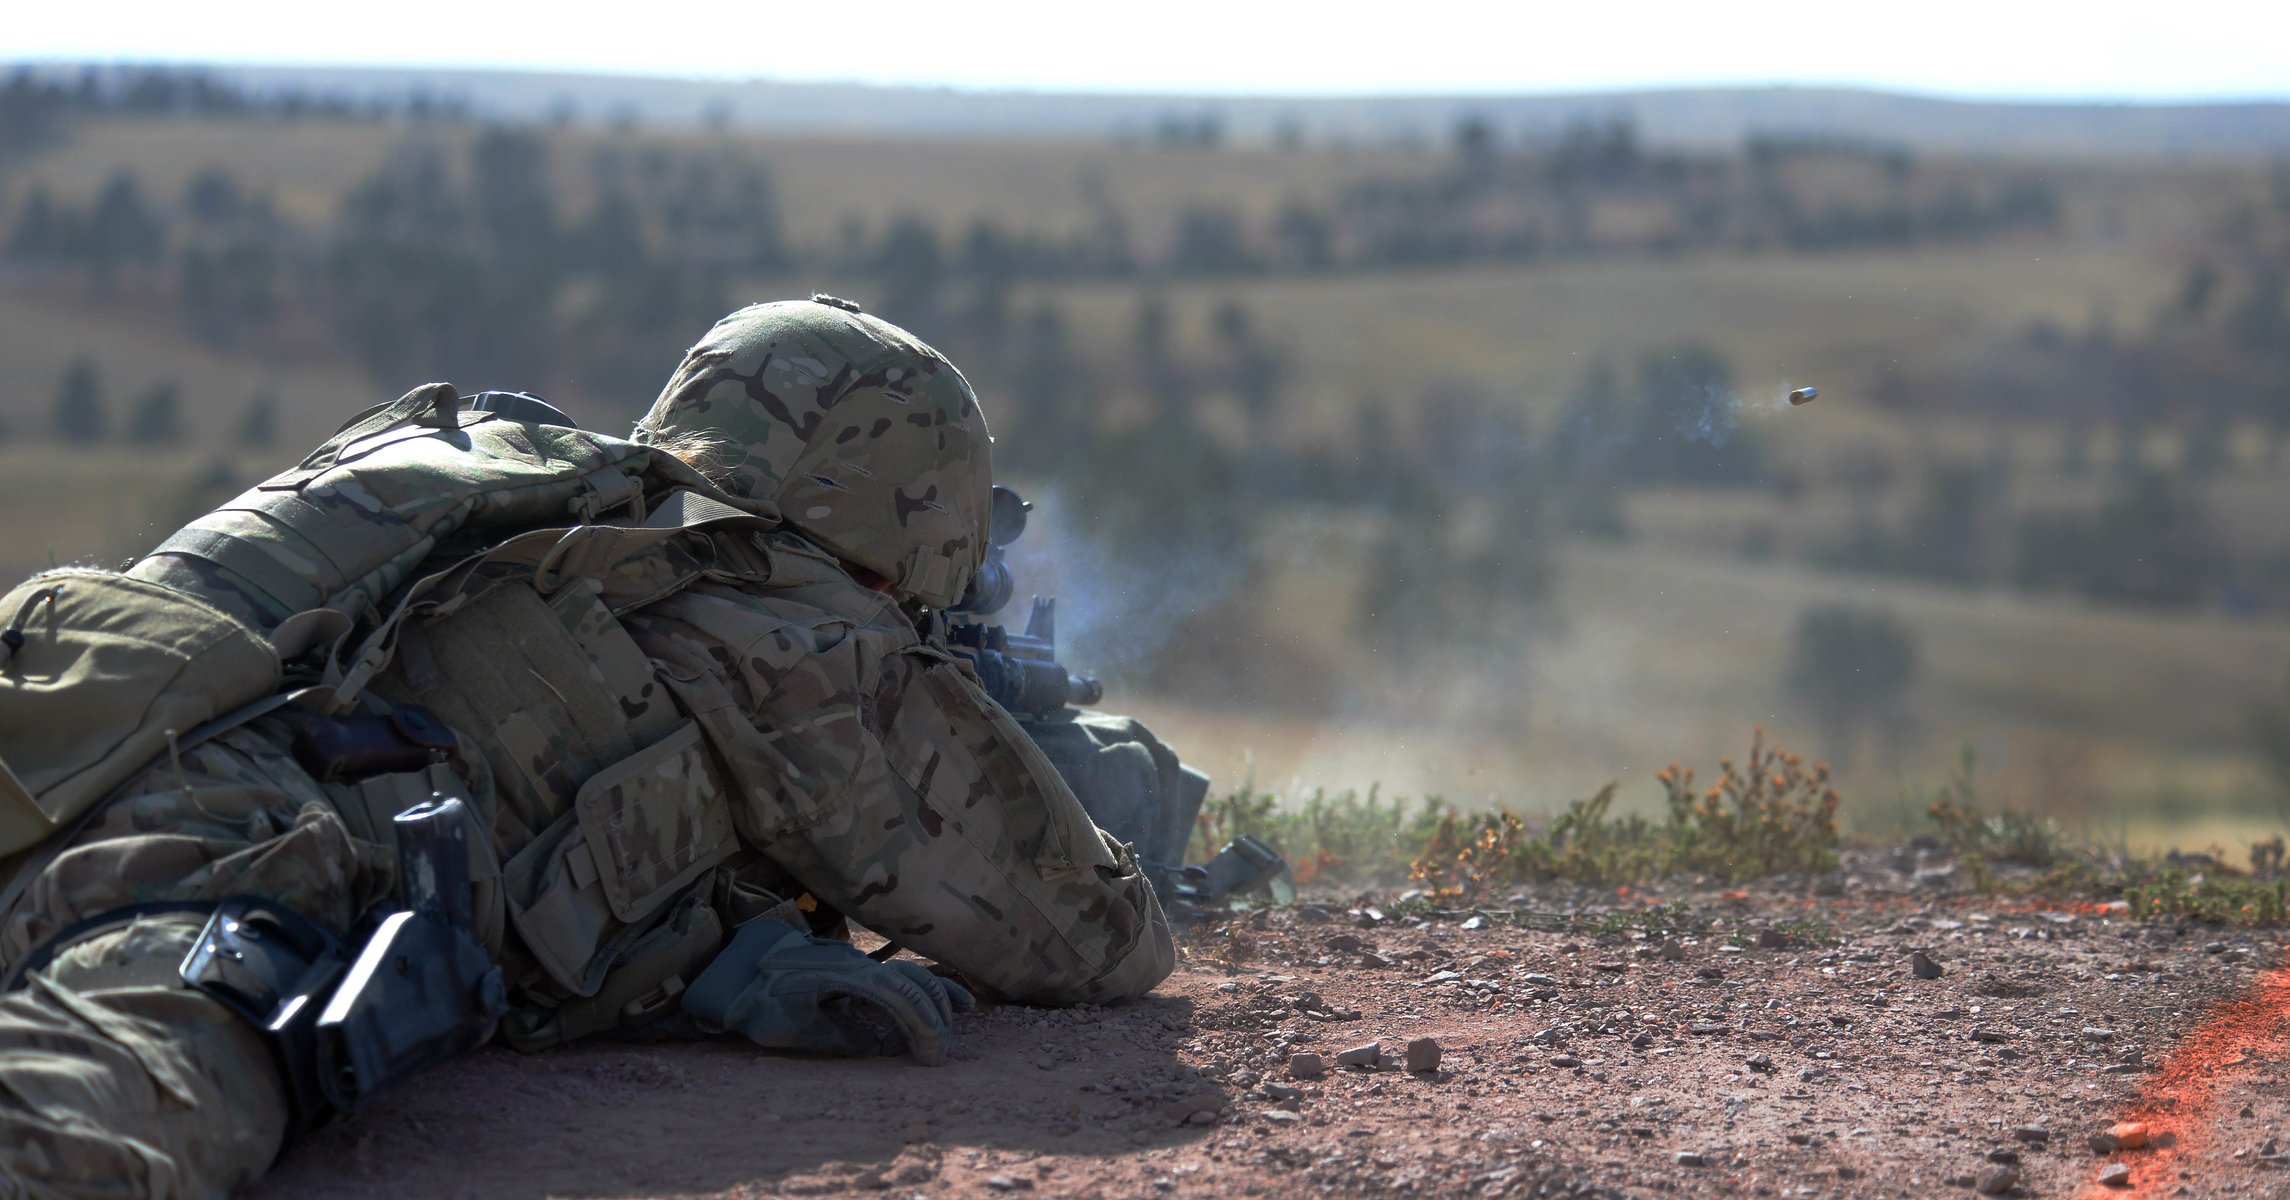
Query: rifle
x=1022, y=673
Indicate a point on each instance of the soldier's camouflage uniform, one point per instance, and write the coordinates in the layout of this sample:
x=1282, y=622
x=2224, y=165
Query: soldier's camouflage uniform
x=847, y=757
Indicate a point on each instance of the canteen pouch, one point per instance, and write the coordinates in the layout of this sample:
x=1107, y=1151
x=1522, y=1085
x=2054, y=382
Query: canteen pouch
x=100, y=672
x=642, y=830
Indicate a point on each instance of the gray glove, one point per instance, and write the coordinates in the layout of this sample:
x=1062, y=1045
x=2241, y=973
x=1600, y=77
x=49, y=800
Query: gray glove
x=787, y=990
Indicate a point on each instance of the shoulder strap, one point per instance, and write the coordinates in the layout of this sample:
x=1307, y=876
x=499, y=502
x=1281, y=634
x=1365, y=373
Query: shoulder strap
x=430, y=406
x=549, y=558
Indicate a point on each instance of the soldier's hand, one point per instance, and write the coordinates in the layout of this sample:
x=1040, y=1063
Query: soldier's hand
x=787, y=990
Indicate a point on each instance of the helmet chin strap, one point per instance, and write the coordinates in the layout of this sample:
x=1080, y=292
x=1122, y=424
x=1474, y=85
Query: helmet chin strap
x=929, y=578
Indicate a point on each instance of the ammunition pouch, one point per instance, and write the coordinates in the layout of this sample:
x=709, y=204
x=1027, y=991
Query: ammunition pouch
x=346, y=749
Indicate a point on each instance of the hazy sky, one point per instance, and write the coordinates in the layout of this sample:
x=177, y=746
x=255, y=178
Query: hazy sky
x=2182, y=49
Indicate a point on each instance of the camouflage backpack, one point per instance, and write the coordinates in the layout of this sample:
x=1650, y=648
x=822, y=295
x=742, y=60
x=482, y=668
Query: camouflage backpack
x=299, y=587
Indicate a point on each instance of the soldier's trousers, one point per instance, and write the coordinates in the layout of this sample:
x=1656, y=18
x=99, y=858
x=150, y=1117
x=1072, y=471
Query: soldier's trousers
x=115, y=1079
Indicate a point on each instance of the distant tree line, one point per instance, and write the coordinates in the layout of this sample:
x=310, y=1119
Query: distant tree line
x=38, y=104
x=82, y=414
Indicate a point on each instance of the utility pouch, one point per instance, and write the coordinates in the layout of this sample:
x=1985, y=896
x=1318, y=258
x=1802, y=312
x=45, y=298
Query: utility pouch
x=97, y=673
x=641, y=829
x=643, y=982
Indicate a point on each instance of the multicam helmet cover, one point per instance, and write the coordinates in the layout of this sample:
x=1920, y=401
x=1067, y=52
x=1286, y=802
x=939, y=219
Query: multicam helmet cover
x=869, y=442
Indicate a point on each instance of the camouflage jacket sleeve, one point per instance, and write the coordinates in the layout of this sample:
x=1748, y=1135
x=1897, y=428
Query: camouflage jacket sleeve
x=875, y=770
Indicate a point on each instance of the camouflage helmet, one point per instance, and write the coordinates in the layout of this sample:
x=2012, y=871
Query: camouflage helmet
x=866, y=440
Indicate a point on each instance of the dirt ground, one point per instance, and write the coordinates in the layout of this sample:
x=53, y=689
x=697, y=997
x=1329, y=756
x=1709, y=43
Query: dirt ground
x=1774, y=1042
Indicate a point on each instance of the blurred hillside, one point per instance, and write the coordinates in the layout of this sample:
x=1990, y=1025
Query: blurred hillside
x=1457, y=460
x=1709, y=118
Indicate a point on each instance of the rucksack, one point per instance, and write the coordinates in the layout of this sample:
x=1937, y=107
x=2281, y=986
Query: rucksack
x=298, y=587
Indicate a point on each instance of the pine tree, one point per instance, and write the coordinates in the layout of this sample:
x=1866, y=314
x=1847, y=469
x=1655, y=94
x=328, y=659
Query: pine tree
x=158, y=416
x=258, y=425
x=80, y=416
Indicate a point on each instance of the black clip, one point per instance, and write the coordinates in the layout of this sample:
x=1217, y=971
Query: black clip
x=12, y=638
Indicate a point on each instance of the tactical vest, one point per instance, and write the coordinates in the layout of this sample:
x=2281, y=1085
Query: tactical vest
x=472, y=565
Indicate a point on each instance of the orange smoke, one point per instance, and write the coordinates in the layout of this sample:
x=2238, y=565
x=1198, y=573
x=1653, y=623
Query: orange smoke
x=2178, y=1102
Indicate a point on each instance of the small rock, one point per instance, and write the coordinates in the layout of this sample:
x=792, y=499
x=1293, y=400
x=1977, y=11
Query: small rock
x=1343, y=943
x=1995, y=1181
x=1772, y=939
x=1306, y=1066
x=1761, y=1063
x=1182, y=1108
x=1812, y=1075
x=1361, y=1056
x=1009, y=1183
x=1642, y=1041
x=1201, y=1118
x=2034, y=1135
x=1422, y=1055
x=1710, y=972
x=1475, y=923
x=1921, y=965
x=1280, y=1116
x=1670, y=951
x=1565, y=1060
x=2128, y=1135
x=873, y=1181
x=2116, y=1175
x=1984, y=1034
x=2005, y=1155
x=2098, y=1033
x=1281, y=1091
x=1538, y=980
x=2102, y=1142
x=1709, y=1029
x=1847, y=1173
x=1046, y=1063
x=1688, y=1158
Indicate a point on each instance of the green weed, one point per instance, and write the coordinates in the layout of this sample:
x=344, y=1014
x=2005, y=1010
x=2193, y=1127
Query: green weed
x=1769, y=815
x=1345, y=838
x=2210, y=898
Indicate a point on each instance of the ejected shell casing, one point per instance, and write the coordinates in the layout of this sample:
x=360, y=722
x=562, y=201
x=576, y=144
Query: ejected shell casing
x=1803, y=395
